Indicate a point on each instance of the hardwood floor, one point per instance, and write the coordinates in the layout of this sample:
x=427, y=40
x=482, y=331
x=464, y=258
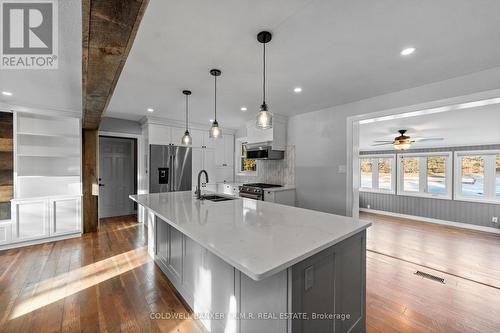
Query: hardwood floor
x=105, y=281
x=466, y=253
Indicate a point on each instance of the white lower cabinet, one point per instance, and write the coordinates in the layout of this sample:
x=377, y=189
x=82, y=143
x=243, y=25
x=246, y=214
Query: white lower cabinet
x=30, y=220
x=212, y=286
x=5, y=232
x=66, y=216
x=38, y=220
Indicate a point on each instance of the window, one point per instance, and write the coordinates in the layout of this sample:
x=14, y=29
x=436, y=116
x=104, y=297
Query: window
x=366, y=173
x=245, y=166
x=477, y=176
x=497, y=176
x=378, y=173
x=425, y=175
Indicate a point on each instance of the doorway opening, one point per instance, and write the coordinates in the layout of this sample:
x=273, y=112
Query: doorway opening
x=117, y=176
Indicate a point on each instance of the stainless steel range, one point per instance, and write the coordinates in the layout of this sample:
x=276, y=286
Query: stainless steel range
x=255, y=190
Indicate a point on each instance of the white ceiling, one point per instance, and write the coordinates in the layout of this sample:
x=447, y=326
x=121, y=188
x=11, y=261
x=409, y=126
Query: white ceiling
x=338, y=51
x=59, y=89
x=476, y=126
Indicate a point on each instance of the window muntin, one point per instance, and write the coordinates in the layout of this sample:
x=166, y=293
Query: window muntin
x=425, y=174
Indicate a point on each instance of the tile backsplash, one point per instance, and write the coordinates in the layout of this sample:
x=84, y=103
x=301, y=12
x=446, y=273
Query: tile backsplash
x=280, y=172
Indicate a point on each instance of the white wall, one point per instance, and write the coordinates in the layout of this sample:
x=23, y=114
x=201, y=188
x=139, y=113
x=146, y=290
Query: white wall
x=320, y=137
x=109, y=124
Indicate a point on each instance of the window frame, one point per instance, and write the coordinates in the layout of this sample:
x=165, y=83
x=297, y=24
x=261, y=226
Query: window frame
x=489, y=176
x=238, y=156
x=375, y=179
x=422, y=179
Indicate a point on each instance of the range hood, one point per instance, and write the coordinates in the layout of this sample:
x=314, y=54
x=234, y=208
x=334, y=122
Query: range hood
x=264, y=151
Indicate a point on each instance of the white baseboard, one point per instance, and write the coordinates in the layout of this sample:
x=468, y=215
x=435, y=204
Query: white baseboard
x=38, y=241
x=435, y=221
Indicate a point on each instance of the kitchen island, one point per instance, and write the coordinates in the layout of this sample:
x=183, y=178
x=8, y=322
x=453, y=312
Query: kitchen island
x=251, y=266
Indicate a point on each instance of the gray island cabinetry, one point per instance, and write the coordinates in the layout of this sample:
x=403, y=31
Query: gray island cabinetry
x=247, y=266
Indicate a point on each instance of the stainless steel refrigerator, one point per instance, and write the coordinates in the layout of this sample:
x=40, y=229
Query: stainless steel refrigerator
x=170, y=168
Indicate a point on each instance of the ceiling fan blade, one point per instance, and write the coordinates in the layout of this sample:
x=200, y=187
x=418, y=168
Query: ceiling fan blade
x=387, y=141
x=428, y=139
x=382, y=144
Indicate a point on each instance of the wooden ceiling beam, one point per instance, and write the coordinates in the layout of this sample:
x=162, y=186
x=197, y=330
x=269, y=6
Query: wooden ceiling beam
x=109, y=30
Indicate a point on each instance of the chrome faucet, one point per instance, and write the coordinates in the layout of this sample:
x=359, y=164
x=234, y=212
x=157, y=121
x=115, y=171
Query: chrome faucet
x=198, y=187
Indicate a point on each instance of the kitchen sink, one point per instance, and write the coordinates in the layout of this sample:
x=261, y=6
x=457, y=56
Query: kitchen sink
x=216, y=198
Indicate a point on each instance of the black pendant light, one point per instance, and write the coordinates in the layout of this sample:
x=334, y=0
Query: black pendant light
x=264, y=117
x=186, y=138
x=215, y=132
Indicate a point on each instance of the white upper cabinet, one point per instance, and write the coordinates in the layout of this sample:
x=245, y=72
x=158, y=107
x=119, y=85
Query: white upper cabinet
x=224, y=151
x=207, y=141
x=177, y=134
x=160, y=135
x=275, y=136
x=197, y=136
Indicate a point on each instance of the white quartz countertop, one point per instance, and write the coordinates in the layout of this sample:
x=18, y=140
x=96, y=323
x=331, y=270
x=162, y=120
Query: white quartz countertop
x=258, y=238
x=280, y=189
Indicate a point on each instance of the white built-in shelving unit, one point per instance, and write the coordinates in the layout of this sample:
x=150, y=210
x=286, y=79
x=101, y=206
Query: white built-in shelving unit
x=47, y=179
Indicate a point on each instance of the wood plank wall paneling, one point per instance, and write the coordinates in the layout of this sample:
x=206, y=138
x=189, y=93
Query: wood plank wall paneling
x=6, y=163
x=449, y=210
x=90, y=175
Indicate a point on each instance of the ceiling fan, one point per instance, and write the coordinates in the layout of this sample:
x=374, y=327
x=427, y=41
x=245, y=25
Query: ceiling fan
x=403, y=142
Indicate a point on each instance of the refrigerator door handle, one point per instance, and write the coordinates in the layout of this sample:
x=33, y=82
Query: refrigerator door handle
x=172, y=167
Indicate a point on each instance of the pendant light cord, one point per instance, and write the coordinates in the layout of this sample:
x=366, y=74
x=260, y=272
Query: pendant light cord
x=215, y=100
x=264, y=76
x=187, y=112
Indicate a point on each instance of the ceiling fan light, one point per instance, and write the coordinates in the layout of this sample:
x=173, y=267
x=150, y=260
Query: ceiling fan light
x=215, y=132
x=187, y=140
x=402, y=144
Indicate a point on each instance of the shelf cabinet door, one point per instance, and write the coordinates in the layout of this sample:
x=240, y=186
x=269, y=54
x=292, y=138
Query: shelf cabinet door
x=197, y=136
x=30, y=220
x=220, y=159
x=224, y=150
x=66, y=216
x=177, y=134
x=176, y=252
x=228, y=150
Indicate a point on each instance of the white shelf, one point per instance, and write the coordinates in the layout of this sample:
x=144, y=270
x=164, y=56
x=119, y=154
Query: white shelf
x=50, y=135
x=48, y=155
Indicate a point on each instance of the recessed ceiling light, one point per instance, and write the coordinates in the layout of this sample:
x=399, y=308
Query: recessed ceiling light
x=407, y=51
x=6, y=93
x=151, y=110
x=297, y=90
x=243, y=108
